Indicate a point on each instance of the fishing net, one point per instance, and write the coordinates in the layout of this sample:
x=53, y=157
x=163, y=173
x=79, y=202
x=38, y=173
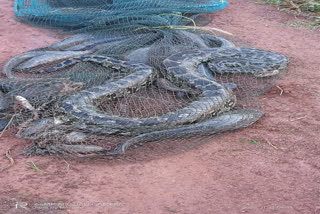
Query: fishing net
x=135, y=72
x=111, y=15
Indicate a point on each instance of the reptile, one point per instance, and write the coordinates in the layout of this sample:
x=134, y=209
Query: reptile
x=39, y=92
x=226, y=121
x=181, y=69
x=214, y=97
x=184, y=67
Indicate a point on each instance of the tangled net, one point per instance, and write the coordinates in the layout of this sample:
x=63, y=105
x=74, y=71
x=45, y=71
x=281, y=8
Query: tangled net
x=136, y=71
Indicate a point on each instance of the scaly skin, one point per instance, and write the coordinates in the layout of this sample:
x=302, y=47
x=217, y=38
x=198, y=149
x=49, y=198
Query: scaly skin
x=213, y=98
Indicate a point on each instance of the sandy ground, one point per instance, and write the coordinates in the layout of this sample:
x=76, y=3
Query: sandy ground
x=225, y=175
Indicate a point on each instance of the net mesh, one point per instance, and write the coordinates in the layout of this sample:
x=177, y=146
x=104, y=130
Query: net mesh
x=111, y=15
x=134, y=72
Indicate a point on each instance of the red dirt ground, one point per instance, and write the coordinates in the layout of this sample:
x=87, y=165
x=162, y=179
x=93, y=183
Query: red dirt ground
x=225, y=175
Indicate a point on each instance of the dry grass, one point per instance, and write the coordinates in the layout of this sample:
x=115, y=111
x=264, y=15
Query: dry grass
x=310, y=8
